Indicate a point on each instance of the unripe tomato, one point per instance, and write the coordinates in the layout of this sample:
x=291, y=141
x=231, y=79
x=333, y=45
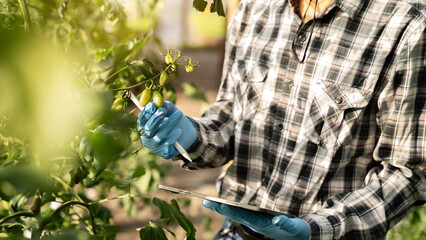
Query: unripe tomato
x=189, y=68
x=164, y=78
x=118, y=104
x=145, y=97
x=169, y=58
x=173, y=67
x=158, y=99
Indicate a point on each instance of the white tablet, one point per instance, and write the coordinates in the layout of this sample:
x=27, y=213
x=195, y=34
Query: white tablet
x=219, y=200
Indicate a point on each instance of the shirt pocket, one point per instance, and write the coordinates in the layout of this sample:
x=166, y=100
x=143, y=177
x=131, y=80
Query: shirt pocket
x=333, y=113
x=249, y=79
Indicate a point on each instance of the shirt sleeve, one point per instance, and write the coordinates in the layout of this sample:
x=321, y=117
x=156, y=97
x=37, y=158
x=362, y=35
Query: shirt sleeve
x=215, y=144
x=399, y=186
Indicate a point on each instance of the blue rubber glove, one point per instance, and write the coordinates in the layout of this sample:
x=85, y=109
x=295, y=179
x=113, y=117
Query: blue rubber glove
x=275, y=227
x=164, y=126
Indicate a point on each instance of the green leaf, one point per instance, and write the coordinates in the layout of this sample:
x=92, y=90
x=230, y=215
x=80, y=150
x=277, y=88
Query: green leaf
x=217, y=7
x=102, y=53
x=139, y=171
x=166, y=214
x=124, y=51
x=172, y=211
x=153, y=231
x=192, y=91
x=119, y=182
x=105, y=147
x=15, y=229
x=183, y=221
x=144, y=67
x=109, y=230
x=140, y=41
x=115, y=9
x=200, y=5
x=17, y=203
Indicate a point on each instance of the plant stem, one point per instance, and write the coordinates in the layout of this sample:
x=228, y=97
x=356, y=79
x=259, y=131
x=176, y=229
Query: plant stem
x=66, y=186
x=115, y=198
x=147, y=80
x=67, y=204
x=138, y=84
x=26, y=14
x=112, y=75
x=15, y=215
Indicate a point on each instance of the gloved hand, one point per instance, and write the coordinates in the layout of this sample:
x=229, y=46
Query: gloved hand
x=164, y=126
x=275, y=227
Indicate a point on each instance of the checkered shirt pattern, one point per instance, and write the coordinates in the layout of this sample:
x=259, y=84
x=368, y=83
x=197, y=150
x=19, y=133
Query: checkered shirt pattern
x=338, y=139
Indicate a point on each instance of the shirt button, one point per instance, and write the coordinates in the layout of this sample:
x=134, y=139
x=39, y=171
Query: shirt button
x=301, y=38
x=290, y=84
x=339, y=100
x=280, y=126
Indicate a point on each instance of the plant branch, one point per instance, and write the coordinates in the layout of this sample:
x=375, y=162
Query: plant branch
x=147, y=80
x=112, y=75
x=15, y=215
x=66, y=186
x=115, y=198
x=25, y=13
x=67, y=204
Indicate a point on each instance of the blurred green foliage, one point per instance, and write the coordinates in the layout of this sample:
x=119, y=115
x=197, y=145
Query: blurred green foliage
x=412, y=227
x=67, y=138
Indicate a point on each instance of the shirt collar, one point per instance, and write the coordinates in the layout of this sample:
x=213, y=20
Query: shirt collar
x=351, y=7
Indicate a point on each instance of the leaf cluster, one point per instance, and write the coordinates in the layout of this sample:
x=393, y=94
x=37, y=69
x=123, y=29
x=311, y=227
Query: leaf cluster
x=66, y=138
x=215, y=7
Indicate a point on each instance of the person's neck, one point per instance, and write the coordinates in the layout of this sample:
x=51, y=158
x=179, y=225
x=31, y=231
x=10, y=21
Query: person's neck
x=305, y=7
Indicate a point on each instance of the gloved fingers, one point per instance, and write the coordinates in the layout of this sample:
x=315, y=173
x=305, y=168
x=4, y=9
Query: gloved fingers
x=151, y=142
x=285, y=223
x=173, y=119
x=154, y=122
x=159, y=122
x=163, y=144
x=169, y=150
x=170, y=107
x=240, y=215
x=145, y=115
x=252, y=219
x=163, y=126
x=212, y=206
x=294, y=226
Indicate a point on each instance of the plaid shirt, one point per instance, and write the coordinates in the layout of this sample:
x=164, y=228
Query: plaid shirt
x=339, y=139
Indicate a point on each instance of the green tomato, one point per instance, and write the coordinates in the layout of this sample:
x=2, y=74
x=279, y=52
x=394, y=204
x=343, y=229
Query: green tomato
x=164, y=78
x=158, y=99
x=145, y=97
x=169, y=58
x=118, y=104
x=189, y=68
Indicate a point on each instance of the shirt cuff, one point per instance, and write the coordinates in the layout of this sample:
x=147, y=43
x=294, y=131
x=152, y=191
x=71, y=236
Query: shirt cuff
x=321, y=227
x=195, y=151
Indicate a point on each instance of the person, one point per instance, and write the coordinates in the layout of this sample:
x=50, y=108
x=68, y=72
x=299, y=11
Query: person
x=322, y=113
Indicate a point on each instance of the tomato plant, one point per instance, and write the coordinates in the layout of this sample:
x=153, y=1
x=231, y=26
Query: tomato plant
x=67, y=135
